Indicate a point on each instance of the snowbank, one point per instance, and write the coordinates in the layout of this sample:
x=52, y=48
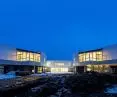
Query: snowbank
x=42, y=74
x=112, y=90
x=6, y=76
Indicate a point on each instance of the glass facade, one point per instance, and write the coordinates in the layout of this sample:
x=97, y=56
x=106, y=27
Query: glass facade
x=27, y=56
x=91, y=56
x=59, y=70
x=40, y=69
x=98, y=68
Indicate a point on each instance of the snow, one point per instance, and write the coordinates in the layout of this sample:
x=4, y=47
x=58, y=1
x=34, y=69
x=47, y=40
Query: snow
x=5, y=76
x=8, y=75
x=42, y=74
x=112, y=90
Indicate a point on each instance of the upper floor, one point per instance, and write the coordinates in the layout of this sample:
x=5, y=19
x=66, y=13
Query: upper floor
x=20, y=55
x=97, y=55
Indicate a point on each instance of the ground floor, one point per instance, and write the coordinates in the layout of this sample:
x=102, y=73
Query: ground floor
x=33, y=69
x=59, y=66
x=26, y=68
x=61, y=70
x=97, y=68
x=58, y=69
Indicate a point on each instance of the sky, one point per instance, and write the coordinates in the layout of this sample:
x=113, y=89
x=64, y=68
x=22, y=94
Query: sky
x=59, y=28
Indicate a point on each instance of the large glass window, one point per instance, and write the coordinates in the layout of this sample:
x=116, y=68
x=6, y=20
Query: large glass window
x=59, y=70
x=80, y=57
x=99, y=56
x=94, y=56
x=84, y=57
x=37, y=57
x=106, y=68
x=40, y=69
x=28, y=56
x=89, y=67
x=98, y=68
x=95, y=67
x=19, y=56
x=87, y=57
x=91, y=56
x=31, y=57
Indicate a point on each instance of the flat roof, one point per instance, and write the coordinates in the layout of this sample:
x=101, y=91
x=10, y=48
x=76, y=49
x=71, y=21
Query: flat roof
x=28, y=50
x=90, y=51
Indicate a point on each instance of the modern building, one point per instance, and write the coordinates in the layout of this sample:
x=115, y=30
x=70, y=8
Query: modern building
x=100, y=60
x=15, y=59
x=59, y=66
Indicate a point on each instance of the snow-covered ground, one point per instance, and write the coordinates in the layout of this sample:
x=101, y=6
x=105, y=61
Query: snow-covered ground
x=42, y=74
x=112, y=89
x=8, y=75
x=49, y=74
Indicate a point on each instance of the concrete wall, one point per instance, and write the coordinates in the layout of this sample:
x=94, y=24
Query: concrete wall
x=7, y=53
x=110, y=52
x=76, y=60
x=43, y=59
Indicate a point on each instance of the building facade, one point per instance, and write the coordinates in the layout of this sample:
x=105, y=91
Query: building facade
x=14, y=59
x=100, y=60
x=59, y=66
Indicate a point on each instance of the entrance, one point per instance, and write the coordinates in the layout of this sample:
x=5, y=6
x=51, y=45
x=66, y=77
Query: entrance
x=80, y=69
x=114, y=69
x=59, y=70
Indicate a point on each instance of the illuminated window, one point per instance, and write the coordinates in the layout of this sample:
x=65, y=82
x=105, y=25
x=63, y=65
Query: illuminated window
x=100, y=53
x=80, y=57
x=19, y=56
x=99, y=57
x=91, y=56
x=18, y=53
x=40, y=69
x=31, y=57
x=94, y=55
x=83, y=57
x=95, y=68
x=26, y=56
x=98, y=68
x=89, y=67
x=59, y=70
x=34, y=57
x=87, y=57
x=24, y=59
x=37, y=57
x=101, y=68
x=106, y=68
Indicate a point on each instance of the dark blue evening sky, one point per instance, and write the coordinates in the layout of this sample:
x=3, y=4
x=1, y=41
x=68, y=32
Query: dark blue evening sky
x=58, y=27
